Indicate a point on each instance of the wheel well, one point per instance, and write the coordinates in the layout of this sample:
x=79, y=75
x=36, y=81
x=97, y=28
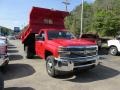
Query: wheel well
x=112, y=46
x=48, y=53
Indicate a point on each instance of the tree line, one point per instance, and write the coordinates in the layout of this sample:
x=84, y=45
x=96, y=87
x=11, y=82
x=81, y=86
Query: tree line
x=101, y=17
x=5, y=31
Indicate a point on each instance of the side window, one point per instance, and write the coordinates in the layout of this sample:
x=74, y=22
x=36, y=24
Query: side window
x=41, y=36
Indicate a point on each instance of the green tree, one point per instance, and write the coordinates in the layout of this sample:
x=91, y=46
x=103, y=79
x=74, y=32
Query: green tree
x=106, y=18
x=5, y=31
x=102, y=17
x=73, y=22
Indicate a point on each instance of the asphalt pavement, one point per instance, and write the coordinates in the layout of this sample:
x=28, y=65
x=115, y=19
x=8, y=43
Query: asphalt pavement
x=30, y=74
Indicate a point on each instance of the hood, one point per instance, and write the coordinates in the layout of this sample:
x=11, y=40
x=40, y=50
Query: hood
x=72, y=42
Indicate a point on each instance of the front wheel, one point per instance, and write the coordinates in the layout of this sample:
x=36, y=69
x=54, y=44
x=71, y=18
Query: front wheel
x=113, y=51
x=50, y=66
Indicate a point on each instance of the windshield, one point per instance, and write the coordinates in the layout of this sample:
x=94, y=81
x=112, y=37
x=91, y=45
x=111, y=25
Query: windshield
x=60, y=35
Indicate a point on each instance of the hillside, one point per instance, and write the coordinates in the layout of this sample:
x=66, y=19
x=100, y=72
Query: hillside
x=5, y=31
x=101, y=16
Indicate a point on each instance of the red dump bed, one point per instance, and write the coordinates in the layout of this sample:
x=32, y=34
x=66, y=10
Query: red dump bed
x=41, y=18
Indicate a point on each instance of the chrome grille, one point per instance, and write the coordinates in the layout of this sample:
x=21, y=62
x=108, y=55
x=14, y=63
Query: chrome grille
x=75, y=52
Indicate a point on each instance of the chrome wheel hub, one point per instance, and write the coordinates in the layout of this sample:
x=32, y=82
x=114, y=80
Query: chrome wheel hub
x=49, y=66
x=113, y=51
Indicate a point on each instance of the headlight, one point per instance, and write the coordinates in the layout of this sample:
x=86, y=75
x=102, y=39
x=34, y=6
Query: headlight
x=63, y=52
x=61, y=48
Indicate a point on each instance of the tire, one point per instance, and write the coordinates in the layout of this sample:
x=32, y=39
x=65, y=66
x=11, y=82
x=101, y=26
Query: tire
x=1, y=82
x=113, y=51
x=29, y=55
x=50, y=66
x=4, y=67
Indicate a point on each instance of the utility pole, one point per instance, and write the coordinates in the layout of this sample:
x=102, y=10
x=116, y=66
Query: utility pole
x=0, y=30
x=81, y=32
x=66, y=4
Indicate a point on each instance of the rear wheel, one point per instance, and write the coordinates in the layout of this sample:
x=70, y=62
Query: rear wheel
x=113, y=50
x=1, y=82
x=29, y=54
x=50, y=66
x=3, y=68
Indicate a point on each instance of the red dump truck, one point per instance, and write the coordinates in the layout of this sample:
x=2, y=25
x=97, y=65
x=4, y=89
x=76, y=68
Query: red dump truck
x=46, y=37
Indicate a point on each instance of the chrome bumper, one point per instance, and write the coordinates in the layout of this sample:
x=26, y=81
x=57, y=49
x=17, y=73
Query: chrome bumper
x=69, y=65
x=4, y=60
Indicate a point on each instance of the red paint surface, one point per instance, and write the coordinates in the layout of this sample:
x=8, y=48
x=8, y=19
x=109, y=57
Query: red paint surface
x=37, y=25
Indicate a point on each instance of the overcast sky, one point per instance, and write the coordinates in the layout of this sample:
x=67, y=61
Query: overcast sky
x=15, y=13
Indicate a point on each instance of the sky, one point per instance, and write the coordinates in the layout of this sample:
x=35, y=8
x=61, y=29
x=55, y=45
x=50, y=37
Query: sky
x=15, y=13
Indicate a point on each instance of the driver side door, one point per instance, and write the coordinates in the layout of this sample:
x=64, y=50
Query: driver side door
x=39, y=44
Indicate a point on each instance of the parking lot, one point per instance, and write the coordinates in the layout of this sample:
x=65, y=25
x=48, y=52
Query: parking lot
x=30, y=74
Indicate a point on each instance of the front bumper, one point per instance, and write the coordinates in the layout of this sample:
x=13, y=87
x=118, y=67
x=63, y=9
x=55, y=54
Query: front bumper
x=4, y=61
x=68, y=65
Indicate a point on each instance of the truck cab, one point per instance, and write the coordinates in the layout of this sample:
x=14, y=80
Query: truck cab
x=54, y=38
x=52, y=42
x=114, y=46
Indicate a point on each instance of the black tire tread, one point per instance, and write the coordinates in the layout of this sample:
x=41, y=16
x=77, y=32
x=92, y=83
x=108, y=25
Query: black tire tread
x=116, y=51
x=54, y=73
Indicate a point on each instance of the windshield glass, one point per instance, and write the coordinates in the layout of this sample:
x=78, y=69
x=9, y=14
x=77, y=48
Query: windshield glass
x=60, y=35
